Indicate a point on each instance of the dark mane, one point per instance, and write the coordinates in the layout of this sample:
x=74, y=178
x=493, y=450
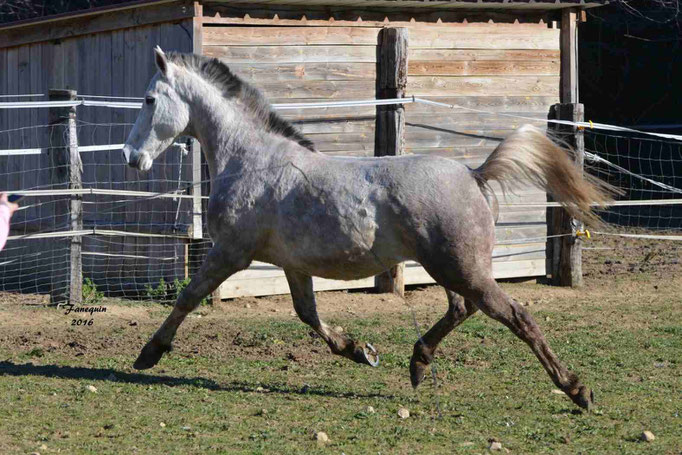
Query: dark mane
x=218, y=73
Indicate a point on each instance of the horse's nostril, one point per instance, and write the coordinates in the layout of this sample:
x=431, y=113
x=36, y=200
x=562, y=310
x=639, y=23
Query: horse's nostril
x=134, y=160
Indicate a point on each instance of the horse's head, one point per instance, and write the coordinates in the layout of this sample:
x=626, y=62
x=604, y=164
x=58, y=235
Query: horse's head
x=164, y=116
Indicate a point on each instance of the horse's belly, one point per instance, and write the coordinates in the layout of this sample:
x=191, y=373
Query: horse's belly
x=338, y=267
x=341, y=256
x=347, y=268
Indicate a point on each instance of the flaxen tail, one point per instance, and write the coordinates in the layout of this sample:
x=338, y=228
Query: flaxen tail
x=528, y=154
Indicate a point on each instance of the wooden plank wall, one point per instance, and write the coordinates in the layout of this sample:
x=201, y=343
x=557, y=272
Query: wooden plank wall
x=306, y=64
x=115, y=63
x=507, y=68
x=497, y=68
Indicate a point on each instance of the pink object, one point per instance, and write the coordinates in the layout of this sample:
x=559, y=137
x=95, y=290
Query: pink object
x=5, y=215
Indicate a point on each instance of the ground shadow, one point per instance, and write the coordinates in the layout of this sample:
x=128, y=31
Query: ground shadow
x=105, y=374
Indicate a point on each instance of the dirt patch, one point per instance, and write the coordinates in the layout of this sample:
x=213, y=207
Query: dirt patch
x=617, y=272
x=614, y=255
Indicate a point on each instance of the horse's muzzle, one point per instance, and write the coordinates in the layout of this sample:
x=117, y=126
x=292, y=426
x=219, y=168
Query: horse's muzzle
x=136, y=159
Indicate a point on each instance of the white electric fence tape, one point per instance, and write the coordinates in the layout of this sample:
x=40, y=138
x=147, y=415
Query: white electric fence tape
x=351, y=103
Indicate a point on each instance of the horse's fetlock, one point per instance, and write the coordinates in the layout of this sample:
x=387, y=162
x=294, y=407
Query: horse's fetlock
x=422, y=352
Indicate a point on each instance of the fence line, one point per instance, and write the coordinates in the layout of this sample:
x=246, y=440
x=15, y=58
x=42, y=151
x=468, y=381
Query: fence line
x=642, y=236
x=93, y=231
x=81, y=148
x=171, y=194
x=597, y=158
x=170, y=253
x=353, y=103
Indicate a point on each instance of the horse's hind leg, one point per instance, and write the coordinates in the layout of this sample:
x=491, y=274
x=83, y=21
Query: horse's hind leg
x=301, y=287
x=498, y=305
x=422, y=355
x=217, y=267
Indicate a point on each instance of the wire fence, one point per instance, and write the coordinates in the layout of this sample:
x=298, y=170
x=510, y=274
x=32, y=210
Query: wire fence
x=649, y=170
x=136, y=229
x=139, y=236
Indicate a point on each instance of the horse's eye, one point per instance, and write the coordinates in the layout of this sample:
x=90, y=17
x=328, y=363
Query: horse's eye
x=149, y=100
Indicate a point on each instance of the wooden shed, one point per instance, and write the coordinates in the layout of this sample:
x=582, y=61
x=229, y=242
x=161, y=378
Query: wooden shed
x=488, y=56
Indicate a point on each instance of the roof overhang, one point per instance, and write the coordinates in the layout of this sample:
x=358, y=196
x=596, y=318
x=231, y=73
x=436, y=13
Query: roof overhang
x=143, y=12
x=544, y=5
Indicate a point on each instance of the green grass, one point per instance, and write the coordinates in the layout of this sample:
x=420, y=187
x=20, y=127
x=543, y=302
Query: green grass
x=489, y=386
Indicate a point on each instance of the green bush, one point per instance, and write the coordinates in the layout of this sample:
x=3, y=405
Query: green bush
x=169, y=292
x=91, y=296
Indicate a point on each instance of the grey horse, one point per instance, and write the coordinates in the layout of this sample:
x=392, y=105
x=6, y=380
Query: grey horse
x=275, y=199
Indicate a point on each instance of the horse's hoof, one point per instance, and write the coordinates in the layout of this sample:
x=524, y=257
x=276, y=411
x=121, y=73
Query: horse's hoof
x=366, y=354
x=150, y=355
x=583, y=398
x=417, y=372
x=421, y=358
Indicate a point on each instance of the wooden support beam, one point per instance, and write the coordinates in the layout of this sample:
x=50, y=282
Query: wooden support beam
x=569, y=55
x=389, y=135
x=67, y=170
x=564, y=254
x=194, y=250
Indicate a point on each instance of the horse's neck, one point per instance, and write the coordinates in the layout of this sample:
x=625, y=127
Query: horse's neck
x=228, y=135
x=228, y=139
x=223, y=133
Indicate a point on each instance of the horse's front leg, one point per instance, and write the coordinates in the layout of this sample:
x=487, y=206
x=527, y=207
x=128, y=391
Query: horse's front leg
x=301, y=287
x=217, y=267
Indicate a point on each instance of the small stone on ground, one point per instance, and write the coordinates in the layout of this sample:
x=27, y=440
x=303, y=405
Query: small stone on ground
x=647, y=436
x=91, y=388
x=321, y=437
x=495, y=445
x=403, y=413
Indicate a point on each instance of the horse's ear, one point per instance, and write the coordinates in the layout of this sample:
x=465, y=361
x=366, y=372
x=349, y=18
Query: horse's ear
x=161, y=61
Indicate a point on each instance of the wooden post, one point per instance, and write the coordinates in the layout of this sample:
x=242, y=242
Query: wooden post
x=197, y=237
x=569, y=55
x=67, y=170
x=389, y=133
x=564, y=254
x=195, y=151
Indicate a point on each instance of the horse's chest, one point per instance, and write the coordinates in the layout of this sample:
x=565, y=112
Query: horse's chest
x=236, y=206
